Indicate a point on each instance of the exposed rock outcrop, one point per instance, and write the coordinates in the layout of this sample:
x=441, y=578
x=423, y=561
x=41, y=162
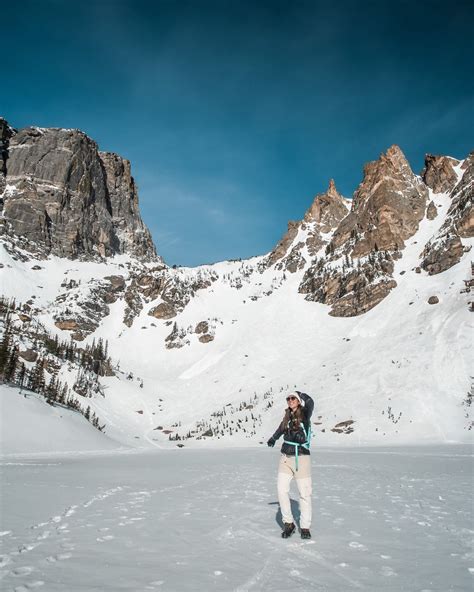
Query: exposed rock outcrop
x=445, y=249
x=431, y=211
x=68, y=200
x=387, y=207
x=439, y=173
x=322, y=217
x=134, y=237
x=350, y=291
x=386, y=210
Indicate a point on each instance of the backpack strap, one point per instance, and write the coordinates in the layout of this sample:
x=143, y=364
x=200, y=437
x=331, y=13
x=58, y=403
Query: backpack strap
x=305, y=444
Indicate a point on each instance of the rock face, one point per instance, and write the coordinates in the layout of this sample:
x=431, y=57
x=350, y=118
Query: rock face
x=61, y=196
x=327, y=209
x=323, y=216
x=445, y=249
x=386, y=210
x=133, y=235
x=326, y=212
x=348, y=290
x=70, y=200
x=387, y=207
x=439, y=173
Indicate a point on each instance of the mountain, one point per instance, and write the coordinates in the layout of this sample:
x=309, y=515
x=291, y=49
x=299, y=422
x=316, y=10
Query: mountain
x=66, y=198
x=364, y=303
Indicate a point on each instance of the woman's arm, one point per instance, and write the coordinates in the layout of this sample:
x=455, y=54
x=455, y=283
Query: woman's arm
x=308, y=404
x=271, y=441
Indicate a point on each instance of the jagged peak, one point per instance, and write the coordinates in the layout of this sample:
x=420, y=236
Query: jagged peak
x=329, y=200
x=395, y=159
x=332, y=191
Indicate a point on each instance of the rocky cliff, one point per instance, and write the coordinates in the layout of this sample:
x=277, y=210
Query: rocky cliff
x=65, y=198
x=206, y=351
x=445, y=249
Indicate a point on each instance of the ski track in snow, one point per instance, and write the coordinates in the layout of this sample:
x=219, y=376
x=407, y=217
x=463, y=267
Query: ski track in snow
x=384, y=520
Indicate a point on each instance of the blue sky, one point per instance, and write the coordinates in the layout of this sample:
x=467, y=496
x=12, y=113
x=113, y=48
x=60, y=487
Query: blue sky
x=235, y=114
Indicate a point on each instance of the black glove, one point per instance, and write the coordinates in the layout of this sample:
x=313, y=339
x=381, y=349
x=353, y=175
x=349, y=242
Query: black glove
x=271, y=442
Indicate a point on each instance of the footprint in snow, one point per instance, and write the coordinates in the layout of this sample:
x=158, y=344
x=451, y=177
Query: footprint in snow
x=22, y=571
x=25, y=548
x=356, y=545
x=106, y=538
x=5, y=532
x=4, y=560
x=59, y=557
x=387, y=571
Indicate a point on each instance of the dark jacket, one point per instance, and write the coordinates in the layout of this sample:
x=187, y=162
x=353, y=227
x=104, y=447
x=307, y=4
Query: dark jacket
x=296, y=435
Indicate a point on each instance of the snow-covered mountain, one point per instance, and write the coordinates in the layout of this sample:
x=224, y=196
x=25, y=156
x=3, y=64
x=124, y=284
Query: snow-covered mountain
x=365, y=304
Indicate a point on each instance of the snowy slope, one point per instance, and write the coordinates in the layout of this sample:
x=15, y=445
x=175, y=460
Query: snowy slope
x=28, y=425
x=399, y=373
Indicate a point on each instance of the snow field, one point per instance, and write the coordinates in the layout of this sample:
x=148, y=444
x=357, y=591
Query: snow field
x=181, y=520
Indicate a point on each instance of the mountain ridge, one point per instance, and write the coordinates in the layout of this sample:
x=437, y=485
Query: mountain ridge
x=243, y=331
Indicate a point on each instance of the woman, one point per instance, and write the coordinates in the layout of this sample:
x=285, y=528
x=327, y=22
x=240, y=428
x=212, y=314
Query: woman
x=295, y=461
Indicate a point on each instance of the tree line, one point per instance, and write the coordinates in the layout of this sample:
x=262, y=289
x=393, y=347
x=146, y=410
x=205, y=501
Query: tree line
x=49, y=353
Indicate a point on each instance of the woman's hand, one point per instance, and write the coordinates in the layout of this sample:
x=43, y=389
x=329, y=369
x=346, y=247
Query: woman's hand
x=271, y=442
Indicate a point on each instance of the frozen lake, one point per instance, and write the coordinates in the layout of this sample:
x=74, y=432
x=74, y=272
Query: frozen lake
x=182, y=520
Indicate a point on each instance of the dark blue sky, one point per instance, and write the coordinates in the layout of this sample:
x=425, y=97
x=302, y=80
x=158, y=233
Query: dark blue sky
x=234, y=114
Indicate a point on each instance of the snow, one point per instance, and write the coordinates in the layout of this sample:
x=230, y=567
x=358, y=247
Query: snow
x=29, y=425
x=128, y=510
x=181, y=520
x=400, y=372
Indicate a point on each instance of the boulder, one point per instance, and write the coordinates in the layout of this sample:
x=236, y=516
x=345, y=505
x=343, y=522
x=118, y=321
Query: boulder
x=206, y=338
x=431, y=211
x=202, y=327
x=165, y=310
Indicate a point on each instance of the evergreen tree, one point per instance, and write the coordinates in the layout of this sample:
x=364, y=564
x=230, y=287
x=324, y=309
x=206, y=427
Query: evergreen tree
x=21, y=378
x=11, y=367
x=52, y=391
x=37, y=380
x=5, y=346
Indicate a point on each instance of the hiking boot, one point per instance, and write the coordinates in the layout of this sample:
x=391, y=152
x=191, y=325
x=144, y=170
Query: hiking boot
x=305, y=534
x=288, y=530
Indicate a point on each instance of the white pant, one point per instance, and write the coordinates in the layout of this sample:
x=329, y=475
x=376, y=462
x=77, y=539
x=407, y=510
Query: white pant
x=286, y=472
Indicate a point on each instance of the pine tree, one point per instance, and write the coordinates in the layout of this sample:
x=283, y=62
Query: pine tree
x=5, y=346
x=37, y=380
x=63, y=395
x=11, y=367
x=21, y=378
x=52, y=391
